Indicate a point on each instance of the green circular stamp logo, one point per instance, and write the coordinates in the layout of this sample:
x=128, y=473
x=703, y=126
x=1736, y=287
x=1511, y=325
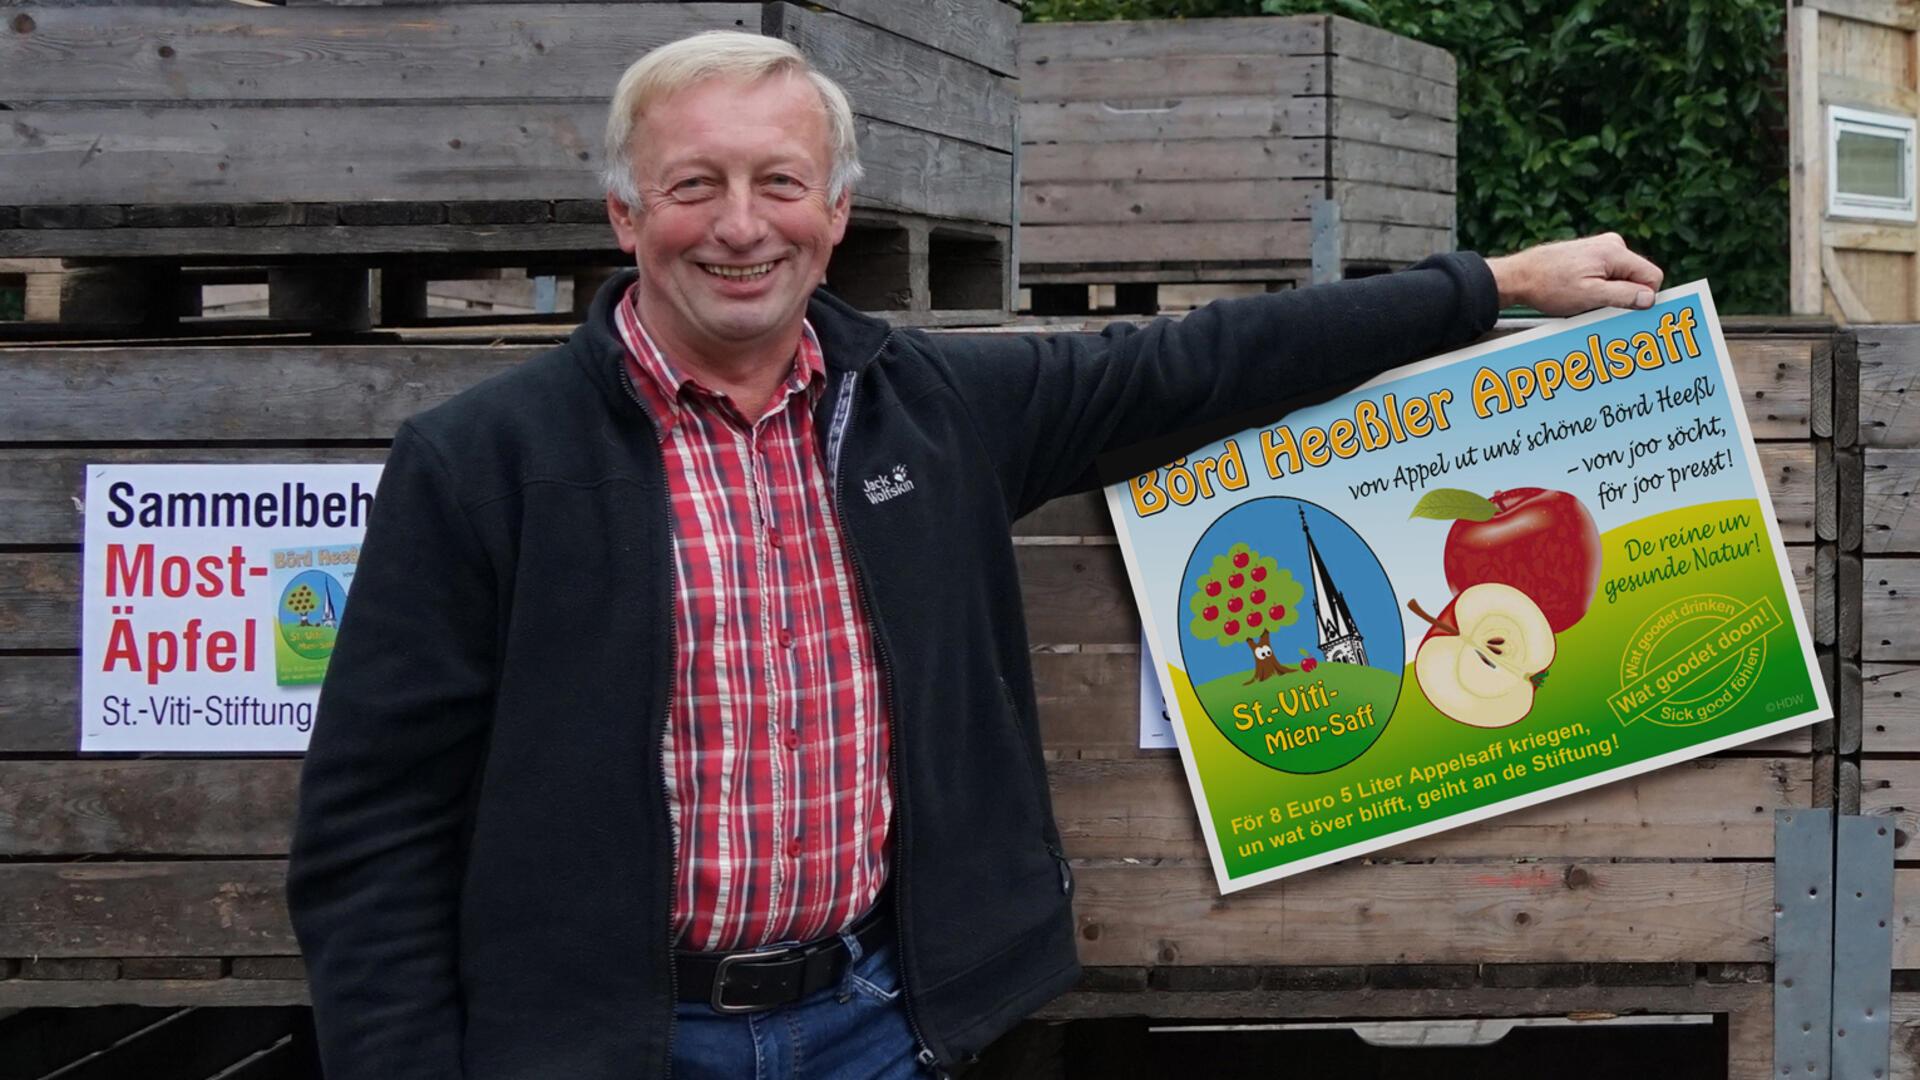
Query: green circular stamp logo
x=1691, y=661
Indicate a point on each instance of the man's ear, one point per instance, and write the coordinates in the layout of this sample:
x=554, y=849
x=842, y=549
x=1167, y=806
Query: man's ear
x=626, y=223
x=839, y=213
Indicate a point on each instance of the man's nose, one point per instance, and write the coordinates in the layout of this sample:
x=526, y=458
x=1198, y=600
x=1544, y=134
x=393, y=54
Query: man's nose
x=740, y=225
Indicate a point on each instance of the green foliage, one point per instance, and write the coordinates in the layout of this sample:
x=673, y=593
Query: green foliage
x=1660, y=121
x=1243, y=595
x=13, y=304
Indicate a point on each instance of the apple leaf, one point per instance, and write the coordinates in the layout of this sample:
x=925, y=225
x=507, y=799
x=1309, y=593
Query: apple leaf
x=1450, y=504
x=1538, y=679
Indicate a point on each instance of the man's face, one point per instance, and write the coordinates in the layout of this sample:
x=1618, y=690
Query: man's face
x=733, y=230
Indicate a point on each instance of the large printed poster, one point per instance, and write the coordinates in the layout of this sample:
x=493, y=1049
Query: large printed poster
x=1476, y=583
x=212, y=594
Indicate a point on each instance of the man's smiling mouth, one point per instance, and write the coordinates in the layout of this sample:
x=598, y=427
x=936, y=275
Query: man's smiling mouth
x=739, y=273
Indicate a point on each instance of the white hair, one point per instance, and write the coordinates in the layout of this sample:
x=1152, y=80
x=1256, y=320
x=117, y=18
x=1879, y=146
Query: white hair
x=673, y=67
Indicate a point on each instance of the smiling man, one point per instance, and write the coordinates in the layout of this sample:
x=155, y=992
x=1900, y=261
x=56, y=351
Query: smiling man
x=682, y=719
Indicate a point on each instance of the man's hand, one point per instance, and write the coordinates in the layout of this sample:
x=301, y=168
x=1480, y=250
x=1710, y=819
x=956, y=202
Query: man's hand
x=1573, y=276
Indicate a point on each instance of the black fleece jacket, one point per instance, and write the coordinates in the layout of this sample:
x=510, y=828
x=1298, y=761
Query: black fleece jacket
x=482, y=860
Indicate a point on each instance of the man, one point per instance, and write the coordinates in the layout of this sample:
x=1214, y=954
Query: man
x=682, y=717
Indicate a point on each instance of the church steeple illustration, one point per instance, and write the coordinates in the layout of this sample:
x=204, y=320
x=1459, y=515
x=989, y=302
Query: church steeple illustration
x=328, y=617
x=1340, y=639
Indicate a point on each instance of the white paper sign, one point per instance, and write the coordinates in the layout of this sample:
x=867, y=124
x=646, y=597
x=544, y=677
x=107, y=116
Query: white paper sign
x=210, y=601
x=1156, y=727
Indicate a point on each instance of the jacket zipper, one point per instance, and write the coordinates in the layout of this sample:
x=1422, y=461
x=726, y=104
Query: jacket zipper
x=1037, y=776
x=673, y=663
x=843, y=411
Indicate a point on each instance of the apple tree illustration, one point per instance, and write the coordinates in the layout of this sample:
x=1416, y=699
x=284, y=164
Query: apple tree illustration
x=301, y=602
x=1242, y=598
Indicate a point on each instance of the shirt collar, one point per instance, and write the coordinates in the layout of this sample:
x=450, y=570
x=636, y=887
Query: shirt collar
x=663, y=386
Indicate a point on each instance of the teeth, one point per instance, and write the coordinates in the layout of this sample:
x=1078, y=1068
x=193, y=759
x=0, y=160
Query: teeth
x=737, y=271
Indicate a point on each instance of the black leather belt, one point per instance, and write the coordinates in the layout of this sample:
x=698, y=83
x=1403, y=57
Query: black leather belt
x=759, y=979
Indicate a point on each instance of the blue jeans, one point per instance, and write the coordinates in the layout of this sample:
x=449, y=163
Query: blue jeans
x=857, y=1031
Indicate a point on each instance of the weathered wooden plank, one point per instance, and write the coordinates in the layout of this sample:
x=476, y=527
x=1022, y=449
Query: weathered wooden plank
x=1198, y=159
x=1383, y=242
x=1279, y=241
x=1099, y=79
x=1889, y=629
x=1349, y=77
x=223, y=908
x=1123, y=202
x=891, y=78
x=985, y=32
x=1367, y=202
x=1787, y=469
x=916, y=172
x=173, y=807
x=175, y=993
x=332, y=153
x=1118, y=808
x=1172, y=119
x=1390, y=125
x=1097, y=200
x=84, y=395
x=1906, y=917
x=1552, y=911
x=39, y=704
x=1892, y=524
x=586, y=243
x=1775, y=384
x=1042, y=43
x=1140, y=808
x=1890, y=706
x=1373, y=45
x=370, y=153
x=1889, y=379
x=255, y=54
x=1372, y=163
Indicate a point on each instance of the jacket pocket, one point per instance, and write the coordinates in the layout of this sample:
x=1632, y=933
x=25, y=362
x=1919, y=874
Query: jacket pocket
x=1037, y=787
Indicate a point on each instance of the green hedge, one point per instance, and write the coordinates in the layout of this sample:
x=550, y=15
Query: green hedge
x=1663, y=121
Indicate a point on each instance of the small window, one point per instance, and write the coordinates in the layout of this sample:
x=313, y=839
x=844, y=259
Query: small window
x=1869, y=164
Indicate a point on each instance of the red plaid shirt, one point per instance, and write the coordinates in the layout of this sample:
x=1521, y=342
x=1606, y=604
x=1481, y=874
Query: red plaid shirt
x=776, y=743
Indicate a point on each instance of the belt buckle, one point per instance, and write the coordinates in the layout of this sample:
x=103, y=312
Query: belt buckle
x=716, y=1000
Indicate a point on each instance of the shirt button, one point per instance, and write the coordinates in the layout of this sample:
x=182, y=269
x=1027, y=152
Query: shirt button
x=792, y=740
x=793, y=848
x=773, y=537
x=786, y=638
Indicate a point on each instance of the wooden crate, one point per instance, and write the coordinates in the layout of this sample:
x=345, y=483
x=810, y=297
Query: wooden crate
x=1651, y=895
x=378, y=134
x=1198, y=150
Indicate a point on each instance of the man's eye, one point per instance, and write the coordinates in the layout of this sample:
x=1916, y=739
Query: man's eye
x=783, y=182
x=692, y=188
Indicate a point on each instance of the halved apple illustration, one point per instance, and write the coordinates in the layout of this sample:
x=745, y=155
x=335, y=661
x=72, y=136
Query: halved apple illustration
x=1485, y=656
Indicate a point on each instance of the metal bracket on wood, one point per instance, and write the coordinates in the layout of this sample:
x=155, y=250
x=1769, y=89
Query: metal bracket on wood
x=1862, y=947
x=1327, y=243
x=1803, y=943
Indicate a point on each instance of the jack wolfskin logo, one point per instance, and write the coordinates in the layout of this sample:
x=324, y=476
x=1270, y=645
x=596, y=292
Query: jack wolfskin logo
x=887, y=485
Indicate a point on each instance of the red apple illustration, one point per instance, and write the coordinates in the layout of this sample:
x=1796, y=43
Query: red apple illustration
x=1278, y=611
x=1258, y=596
x=1232, y=627
x=1213, y=588
x=1241, y=561
x=1259, y=573
x=1212, y=612
x=1234, y=605
x=1309, y=664
x=1236, y=581
x=1253, y=618
x=1541, y=542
